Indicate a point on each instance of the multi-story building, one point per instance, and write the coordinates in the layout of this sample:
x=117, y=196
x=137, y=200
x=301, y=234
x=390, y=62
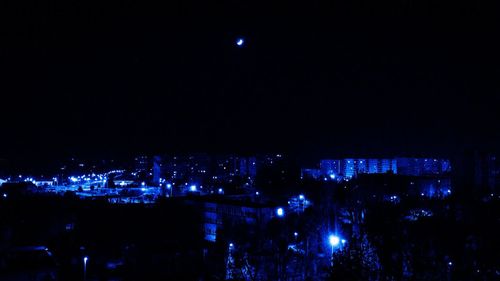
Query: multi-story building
x=422, y=166
x=221, y=217
x=351, y=167
x=330, y=168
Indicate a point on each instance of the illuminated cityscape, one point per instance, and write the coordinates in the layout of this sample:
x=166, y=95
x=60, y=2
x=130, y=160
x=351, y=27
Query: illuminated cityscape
x=322, y=140
x=231, y=205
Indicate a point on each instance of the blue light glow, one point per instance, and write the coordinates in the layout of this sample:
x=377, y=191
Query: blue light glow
x=332, y=176
x=295, y=234
x=240, y=42
x=169, y=186
x=85, y=259
x=301, y=197
x=334, y=240
x=192, y=188
x=280, y=212
x=5, y=195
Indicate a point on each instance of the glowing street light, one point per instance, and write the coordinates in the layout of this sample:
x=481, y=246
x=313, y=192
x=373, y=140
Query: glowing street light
x=85, y=259
x=280, y=212
x=334, y=240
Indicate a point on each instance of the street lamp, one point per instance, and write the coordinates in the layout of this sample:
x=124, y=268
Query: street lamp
x=334, y=240
x=85, y=259
x=280, y=212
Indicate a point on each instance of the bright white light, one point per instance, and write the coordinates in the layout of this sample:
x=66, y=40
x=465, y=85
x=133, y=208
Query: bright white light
x=257, y=193
x=295, y=234
x=334, y=240
x=5, y=195
x=143, y=183
x=450, y=263
x=169, y=185
x=231, y=245
x=343, y=241
x=301, y=197
x=280, y=212
x=332, y=176
x=85, y=259
x=143, y=189
x=220, y=190
x=192, y=188
x=449, y=191
x=240, y=42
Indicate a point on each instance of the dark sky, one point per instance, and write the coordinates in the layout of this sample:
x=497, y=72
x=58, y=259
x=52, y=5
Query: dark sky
x=125, y=77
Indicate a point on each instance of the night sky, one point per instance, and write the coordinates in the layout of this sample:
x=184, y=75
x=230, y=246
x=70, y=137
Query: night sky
x=100, y=78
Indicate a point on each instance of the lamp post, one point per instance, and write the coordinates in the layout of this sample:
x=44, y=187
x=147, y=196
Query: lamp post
x=85, y=259
x=334, y=241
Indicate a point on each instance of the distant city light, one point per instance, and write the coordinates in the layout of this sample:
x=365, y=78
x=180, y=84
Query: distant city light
x=334, y=240
x=257, y=193
x=221, y=191
x=5, y=195
x=192, y=188
x=295, y=234
x=169, y=185
x=143, y=183
x=343, y=241
x=449, y=191
x=231, y=245
x=240, y=42
x=332, y=176
x=143, y=189
x=280, y=212
x=301, y=197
